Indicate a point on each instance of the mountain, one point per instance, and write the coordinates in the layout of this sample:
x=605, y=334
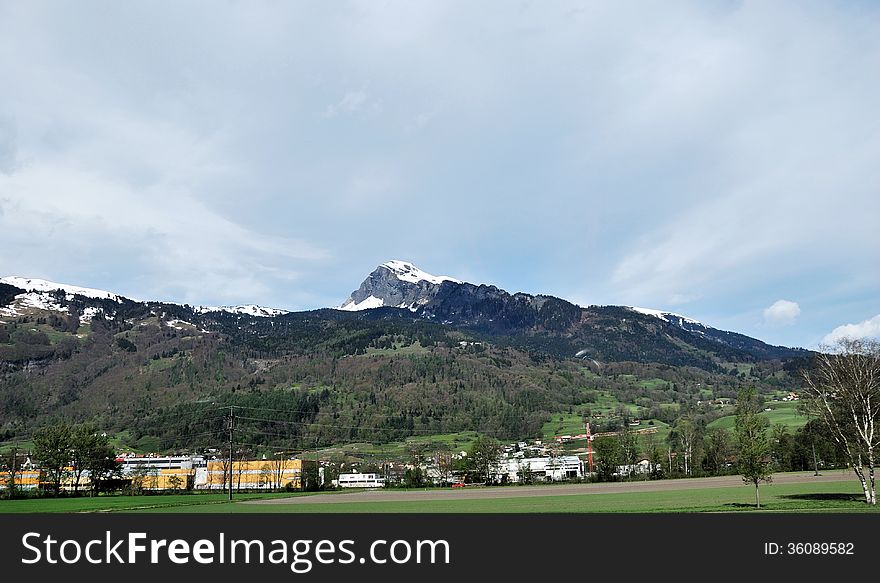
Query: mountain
x=397, y=284
x=398, y=290
x=27, y=295
x=604, y=333
x=436, y=355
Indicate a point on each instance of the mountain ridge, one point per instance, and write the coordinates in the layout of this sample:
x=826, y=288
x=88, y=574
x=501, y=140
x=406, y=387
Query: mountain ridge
x=468, y=357
x=540, y=322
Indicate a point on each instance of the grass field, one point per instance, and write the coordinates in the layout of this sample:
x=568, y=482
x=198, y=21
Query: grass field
x=460, y=441
x=126, y=503
x=835, y=493
x=783, y=413
x=819, y=497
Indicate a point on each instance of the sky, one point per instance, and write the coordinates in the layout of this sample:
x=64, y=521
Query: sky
x=717, y=159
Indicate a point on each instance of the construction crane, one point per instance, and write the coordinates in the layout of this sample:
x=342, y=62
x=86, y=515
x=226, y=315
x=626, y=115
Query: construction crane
x=589, y=444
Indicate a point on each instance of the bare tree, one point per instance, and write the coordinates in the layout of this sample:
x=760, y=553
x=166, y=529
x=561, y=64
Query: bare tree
x=843, y=390
x=266, y=475
x=445, y=464
x=10, y=464
x=241, y=466
x=687, y=432
x=226, y=474
x=277, y=464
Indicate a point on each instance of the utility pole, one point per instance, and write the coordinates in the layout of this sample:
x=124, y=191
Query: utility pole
x=12, y=469
x=317, y=465
x=231, y=434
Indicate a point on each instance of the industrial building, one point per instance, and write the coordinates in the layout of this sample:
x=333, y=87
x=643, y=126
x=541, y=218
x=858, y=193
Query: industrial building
x=548, y=469
x=359, y=481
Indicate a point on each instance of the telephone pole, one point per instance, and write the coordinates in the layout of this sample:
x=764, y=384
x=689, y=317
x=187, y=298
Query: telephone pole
x=231, y=435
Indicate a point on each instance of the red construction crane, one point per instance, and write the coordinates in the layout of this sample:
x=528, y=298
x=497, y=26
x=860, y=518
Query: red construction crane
x=589, y=444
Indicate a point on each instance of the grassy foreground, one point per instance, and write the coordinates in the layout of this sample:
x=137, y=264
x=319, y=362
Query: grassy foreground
x=172, y=502
x=835, y=496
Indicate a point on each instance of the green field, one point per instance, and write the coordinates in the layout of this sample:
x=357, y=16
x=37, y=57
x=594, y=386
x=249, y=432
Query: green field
x=819, y=497
x=827, y=496
x=180, y=502
x=460, y=441
x=783, y=413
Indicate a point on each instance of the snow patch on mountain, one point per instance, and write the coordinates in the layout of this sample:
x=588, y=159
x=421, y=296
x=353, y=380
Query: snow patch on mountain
x=406, y=271
x=670, y=317
x=44, y=286
x=27, y=302
x=247, y=310
x=88, y=313
x=366, y=304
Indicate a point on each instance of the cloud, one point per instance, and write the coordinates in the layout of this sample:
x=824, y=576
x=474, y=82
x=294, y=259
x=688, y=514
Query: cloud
x=782, y=313
x=62, y=218
x=866, y=329
x=352, y=102
x=694, y=156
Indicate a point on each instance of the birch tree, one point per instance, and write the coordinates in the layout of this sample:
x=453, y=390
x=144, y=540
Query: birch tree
x=843, y=390
x=753, y=459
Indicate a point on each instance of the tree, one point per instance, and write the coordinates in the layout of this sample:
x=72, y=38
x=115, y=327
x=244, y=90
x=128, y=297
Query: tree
x=525, y=473
x=277, y=468
x=87, y=447
x=843, y=390
x=717, y=450
x=607, y=450
x=413, y=478
x=52, y=448
x=103, y=468
x=266, y=475
x=753, y=461
x=10, y=464
x=483, y=457
x=629, y=449
x=780, y=447
x=655, y=457
x=445, y=464
x=686, y=433
x=138, y=479
x=176, y=482
x=310, y=476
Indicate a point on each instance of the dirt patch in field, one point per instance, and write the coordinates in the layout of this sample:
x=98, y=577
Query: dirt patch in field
x=483, y=493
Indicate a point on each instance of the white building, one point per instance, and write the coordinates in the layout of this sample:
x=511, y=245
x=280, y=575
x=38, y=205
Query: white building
x=174, y=462
x=642, y=468
x=542, y=468
x=359, y=481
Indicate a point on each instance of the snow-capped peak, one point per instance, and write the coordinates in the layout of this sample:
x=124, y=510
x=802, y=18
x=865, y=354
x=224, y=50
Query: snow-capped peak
x=249, y=309
x=406, y=271
x=43, y=286
x=666, y=316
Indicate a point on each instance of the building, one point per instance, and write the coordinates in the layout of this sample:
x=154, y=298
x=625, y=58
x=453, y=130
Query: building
x=548, y=469
x=161, y=472
x=252, y=474
x=131, y=463
x=24, y=480
x=359, y=481
x=642, y=468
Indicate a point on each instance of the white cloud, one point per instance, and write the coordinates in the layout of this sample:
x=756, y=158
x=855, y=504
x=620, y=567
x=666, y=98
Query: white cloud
x=182, y=249
x=867, y=329
x=352, y=102
x=696, y=154
x=782, y=313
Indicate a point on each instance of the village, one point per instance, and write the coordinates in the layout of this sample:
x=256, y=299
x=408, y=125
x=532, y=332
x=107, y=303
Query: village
x=513, y=463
